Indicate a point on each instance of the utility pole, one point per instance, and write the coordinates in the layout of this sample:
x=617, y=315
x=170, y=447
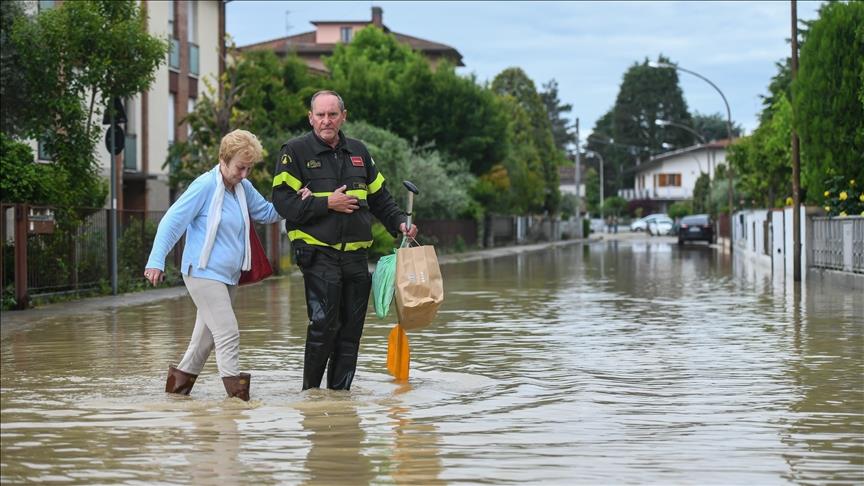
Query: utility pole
x=796, y=162
x=577, y=179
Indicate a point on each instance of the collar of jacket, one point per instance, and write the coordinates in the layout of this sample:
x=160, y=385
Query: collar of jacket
x=320, y=146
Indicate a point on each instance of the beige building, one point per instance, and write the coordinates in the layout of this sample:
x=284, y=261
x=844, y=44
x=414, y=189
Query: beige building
x=196, y=30
x=313, y=45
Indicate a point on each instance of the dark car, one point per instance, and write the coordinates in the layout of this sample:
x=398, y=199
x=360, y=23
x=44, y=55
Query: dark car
x=697, y=227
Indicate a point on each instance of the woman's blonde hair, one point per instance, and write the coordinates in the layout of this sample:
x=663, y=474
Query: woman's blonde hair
x=240, y=142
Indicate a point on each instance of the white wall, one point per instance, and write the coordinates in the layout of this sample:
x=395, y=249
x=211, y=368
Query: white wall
x=690, y=165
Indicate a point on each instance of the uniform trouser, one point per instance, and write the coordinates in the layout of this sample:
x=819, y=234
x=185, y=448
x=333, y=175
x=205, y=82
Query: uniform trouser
x=337, y=294
x=215, y=326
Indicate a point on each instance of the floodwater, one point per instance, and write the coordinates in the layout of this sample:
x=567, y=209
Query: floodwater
x=603, y=363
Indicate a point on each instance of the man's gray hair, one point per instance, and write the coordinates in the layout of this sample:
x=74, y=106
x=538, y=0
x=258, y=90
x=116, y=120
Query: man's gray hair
x=327, y=92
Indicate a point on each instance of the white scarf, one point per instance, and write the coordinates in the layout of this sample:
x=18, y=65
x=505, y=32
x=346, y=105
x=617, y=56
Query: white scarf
x=214, y=214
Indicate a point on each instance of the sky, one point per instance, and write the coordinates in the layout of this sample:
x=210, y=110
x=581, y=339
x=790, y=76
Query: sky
x=585, y=46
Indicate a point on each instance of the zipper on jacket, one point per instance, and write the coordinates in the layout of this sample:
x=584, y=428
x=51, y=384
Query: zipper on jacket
x=339, y=183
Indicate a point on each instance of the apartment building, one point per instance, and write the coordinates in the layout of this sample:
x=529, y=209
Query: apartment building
x=313, y=45
x=196, y=30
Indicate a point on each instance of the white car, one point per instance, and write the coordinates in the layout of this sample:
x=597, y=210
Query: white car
x=641, y=224
x=661, y=225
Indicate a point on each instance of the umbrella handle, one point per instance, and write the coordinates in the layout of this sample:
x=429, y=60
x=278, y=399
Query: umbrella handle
x=412, y=189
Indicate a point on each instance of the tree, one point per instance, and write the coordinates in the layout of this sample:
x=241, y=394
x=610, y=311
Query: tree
x=260, y=93
x=13, y=90
x=713, y=127
x=533, y=134
x=628, y=132
x=555, y=110
x=73, y=59
x=763, y=160
x=828, y=115
x=702, y=194
x=592, y=190
x=390, y=86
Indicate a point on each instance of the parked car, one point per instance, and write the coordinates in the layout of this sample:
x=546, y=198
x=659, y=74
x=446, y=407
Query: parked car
x=661, y=225
x=641, y=224
x=697, y=227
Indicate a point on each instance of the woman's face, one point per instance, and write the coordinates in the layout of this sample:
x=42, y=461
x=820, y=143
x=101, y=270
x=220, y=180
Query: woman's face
x=235, y=170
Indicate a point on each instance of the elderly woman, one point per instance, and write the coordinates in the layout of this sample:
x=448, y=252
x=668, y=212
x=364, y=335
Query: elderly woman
x=215, y=212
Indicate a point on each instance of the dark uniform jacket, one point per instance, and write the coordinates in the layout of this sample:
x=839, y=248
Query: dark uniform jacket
x=307, y=161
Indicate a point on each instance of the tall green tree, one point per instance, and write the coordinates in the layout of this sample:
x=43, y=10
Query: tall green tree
x=555, y=110
x=763, y=160
x=647, y=94
x=73, y=59
x=391, y=86
x=828, y=114
x=713, y=127
x=537, y=133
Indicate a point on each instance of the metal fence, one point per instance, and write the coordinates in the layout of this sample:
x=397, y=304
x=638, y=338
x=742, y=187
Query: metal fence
x=838, y=244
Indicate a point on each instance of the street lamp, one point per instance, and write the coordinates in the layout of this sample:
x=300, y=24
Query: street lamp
x=728, y=129
x=664, y=123
x=591, y=153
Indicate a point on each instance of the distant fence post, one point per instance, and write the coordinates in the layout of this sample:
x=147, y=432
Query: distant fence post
x=275, y=247
x=21, y=297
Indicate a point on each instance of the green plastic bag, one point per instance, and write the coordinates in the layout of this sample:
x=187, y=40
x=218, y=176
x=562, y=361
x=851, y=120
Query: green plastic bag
x=383, y=280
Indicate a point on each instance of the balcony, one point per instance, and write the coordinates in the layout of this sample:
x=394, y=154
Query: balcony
x=670, y=193
x=174, y=55
x=193, y=59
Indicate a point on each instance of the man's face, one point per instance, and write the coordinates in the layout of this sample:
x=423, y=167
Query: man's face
x=326, y=118
x=236, y=170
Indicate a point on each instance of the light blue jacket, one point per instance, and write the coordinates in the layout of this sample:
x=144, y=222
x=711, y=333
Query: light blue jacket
x=189, y=214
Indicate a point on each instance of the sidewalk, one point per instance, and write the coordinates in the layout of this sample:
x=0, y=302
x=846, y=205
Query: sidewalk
x=17, y=318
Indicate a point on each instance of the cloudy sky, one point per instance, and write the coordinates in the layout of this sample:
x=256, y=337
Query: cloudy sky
x=585, y=46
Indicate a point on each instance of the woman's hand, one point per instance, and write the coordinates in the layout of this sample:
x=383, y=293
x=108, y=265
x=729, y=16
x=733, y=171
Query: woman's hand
x=154, y=275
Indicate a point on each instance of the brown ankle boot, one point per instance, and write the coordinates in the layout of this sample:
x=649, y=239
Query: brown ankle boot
x=238, y=386
x=179, y=381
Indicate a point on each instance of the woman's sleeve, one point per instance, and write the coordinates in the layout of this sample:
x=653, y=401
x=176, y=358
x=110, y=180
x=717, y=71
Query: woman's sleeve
x=260, y=209
x=175, y=221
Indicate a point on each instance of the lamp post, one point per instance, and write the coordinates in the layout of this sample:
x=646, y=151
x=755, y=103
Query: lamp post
x=729, y=172
x=591, y=153
x=664, y=123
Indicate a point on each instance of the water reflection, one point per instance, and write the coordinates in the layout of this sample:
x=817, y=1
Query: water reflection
x=337, y=443
x=622, y=362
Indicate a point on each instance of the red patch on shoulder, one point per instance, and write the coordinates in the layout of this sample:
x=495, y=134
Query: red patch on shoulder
x=357, y=161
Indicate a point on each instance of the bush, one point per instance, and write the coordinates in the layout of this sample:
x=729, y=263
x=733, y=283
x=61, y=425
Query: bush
x=680, y=209
x=843, y=198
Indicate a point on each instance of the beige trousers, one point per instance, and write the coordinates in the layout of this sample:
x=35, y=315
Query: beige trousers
x=215, y=326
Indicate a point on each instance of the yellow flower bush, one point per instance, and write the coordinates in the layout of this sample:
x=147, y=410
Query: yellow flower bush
x=842, y=197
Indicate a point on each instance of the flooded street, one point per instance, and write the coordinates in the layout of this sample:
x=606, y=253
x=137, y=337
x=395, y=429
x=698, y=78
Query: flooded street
x=602, y=363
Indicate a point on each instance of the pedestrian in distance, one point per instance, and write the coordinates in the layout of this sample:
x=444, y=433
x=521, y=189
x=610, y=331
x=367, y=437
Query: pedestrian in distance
x=215, y=212
x=330, y=233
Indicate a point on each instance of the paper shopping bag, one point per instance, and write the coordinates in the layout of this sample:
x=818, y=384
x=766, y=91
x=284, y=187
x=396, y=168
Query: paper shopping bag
x=419, y=286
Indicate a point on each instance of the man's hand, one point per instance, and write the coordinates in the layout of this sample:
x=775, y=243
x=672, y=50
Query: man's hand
x=412, y=233
x=341, y=202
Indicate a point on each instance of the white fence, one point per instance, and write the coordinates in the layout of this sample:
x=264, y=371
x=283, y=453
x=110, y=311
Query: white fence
x=765, y=236
x=838, y=244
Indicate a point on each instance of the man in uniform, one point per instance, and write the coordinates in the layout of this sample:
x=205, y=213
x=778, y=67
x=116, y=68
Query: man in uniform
x=327, y=188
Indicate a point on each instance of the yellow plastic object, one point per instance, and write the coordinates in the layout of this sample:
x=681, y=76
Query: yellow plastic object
x=398, y=353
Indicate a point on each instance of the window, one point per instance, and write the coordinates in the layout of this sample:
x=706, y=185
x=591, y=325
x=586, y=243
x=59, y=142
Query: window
x=666, y=180
x=42, y=152
x=345, y=34
x=171, y=108
x=171, y=32
x=192, y=22
x=190, y=107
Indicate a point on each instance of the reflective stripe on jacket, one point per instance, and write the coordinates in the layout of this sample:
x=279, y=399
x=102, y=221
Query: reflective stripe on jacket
x=306, y=161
